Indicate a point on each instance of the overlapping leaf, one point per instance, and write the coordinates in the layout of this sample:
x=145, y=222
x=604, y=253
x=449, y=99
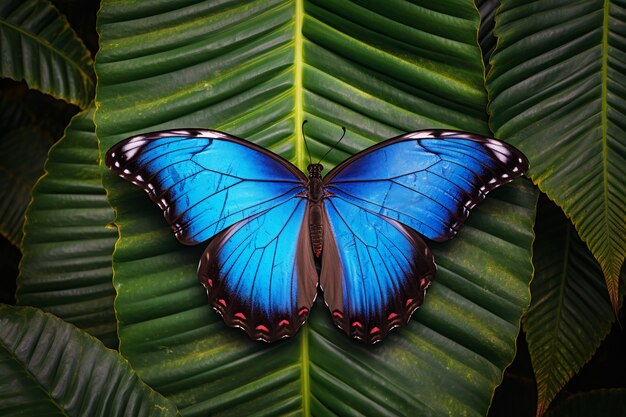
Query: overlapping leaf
x=487, y=9
x=39, y=358
x=67, y=249
x=257, y=70
x=558, y=90
x=39, y=46
x=570, y=312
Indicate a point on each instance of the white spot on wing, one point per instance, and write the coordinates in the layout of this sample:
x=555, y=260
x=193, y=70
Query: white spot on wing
x=209, y=134
x=129, y=153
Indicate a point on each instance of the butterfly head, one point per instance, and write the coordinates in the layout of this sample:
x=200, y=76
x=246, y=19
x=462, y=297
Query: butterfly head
x=315, y=170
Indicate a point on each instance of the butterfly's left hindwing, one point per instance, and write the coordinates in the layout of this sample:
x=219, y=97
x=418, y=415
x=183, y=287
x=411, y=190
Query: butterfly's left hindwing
x=204, y=180
x=260, y=274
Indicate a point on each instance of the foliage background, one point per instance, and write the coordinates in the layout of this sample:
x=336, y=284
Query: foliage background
x=517, y=393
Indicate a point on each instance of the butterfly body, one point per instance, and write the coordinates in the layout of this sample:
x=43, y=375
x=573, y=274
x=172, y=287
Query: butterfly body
x=276, y=235
x=315, y=195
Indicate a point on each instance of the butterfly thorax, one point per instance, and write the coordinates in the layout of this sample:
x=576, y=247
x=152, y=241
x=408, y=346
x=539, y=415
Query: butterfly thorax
x=315, y=191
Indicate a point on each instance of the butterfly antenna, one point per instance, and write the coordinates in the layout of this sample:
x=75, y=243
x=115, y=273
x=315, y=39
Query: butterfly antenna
x=306, y=145
x=334, y=146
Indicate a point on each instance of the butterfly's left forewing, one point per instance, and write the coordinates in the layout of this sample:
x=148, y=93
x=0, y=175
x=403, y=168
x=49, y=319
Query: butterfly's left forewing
x=204, y=180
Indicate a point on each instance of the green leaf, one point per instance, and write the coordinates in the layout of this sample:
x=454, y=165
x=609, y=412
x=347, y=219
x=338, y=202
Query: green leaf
x=558, y=87
x=570, y=313
x=257, y=70
x=39, y=46
x=68, y=243
x=601, y=402
x=23, y=152
x=50, y=368
x=487, y=9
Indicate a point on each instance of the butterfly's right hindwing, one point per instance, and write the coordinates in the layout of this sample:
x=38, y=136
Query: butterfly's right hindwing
x=375, y=271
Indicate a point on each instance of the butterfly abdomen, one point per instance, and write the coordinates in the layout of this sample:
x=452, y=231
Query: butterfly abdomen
x=316, y=228
x=315, y=195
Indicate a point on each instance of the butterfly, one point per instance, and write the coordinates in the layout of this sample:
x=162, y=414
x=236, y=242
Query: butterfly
x=275, y=234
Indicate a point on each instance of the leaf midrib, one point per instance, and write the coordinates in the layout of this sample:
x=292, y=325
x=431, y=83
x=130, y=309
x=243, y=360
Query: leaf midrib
x=46, y=43
x=604, y=139
x=31, y=376
x=300, y=163
x=559, y=317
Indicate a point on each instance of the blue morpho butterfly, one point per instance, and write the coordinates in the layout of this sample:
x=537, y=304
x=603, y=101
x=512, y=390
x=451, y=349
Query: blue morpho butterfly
x=276, y=235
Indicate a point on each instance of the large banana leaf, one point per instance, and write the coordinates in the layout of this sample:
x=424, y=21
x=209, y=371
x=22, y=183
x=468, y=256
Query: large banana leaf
x=51, y=368
x=570, y=312
x=558, y=88
x=68, y=243
x=40, y=47
x=257, y=70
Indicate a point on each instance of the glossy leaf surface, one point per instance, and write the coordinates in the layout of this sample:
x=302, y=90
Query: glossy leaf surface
x=570, y=312
x=68, y=244
x=39, y=46
x=557, y=88
x=51, y=368
x=257, y=70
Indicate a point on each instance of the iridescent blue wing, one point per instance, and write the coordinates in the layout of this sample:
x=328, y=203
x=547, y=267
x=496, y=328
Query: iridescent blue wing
x=375, y=267
x=427, y=180
x=204, y=180
x=375, y=271
x=258, y=269
x=260, y=273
